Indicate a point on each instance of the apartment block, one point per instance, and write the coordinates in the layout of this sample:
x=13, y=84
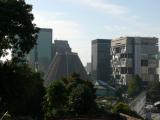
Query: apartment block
x=134, y=56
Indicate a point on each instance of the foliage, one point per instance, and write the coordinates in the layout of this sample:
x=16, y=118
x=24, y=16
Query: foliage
x=120, y=91
x=124, y=108
x=121, y=108
x=134, y=86
x=81, y=100
x=153, y=92
x=81, y=95
x=55, y=99
x=71, y=96
x=107, y=103
x=17, y=32
x=21, y=90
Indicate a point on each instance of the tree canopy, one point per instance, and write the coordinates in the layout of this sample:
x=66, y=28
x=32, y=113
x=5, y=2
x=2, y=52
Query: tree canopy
x=70, y=96
x=153, y=92
x=55, y=99
x=17, y=32
x=134, y=86
x=21, y=90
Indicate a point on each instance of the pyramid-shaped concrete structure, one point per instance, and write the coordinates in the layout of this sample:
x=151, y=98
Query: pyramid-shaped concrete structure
x=63, y=65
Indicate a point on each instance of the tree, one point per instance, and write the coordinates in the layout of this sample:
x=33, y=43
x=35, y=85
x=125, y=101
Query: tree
x=81, y=100
x=17, y=32
x=153, y=92
x=21, y=90
x=55, y=99
x=134, y=86
x=70, y=96
x=121, y=90
x=81, y=95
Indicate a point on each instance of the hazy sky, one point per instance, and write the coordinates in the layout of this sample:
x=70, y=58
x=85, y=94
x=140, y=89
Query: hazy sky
x=80, y=21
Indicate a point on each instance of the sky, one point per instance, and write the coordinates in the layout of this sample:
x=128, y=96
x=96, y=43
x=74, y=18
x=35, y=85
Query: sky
x=81, y=21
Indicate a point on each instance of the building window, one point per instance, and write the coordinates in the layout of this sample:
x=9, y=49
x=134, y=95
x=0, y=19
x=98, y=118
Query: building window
x=123, y=49
x=126, y=70
x=117, y=76
x=117, y=50
x=123, y=70
x=125, y=55
x=144, y=62
x=151, y=70
x=130, y=55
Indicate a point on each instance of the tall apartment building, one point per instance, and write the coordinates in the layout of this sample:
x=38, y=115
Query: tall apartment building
x=134, y=56
x=101, y=68
x=41, y=55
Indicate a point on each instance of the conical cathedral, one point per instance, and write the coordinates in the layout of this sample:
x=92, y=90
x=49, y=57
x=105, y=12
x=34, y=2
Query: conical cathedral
x=64, y=63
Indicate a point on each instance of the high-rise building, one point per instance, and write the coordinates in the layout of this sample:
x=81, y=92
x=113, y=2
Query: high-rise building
x=134, y=56
x=101, y=68
x=41, y=55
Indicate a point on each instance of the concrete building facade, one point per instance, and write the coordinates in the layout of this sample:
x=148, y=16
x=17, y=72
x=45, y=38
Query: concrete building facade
x=100, y=65
x=64, y=63
x=60, y=46
x=88, y=68
x=158, y=70
x=134, y=56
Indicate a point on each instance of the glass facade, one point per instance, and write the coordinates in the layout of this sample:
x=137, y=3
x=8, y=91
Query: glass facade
x=41, y=55
x=101, y=68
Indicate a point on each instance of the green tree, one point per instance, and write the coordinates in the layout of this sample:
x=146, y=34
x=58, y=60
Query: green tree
x=17, y=32
x=55, y=99
x=70, y=96
x=120, y=91
x=134, y=86
x=81, y=100
x=81, y=95
x=21, y=90
x=153, y=92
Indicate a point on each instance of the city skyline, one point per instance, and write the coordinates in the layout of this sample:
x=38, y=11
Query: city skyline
x=81, y=21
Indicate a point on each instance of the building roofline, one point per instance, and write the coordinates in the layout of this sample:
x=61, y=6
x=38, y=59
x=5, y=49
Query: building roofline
x=102, y=39
x=124, y=37
x=46, y=29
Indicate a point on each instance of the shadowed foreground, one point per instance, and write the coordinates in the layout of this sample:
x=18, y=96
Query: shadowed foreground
x=95, y=117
